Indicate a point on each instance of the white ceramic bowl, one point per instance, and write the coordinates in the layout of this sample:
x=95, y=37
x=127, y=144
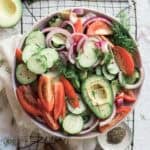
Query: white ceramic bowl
x=92, y=132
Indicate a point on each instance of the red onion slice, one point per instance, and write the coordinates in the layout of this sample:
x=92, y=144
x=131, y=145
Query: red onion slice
x=91, y=127
x=86, y=23
x=57, y=30
x=71, y=55
x=48, y=29
x=81, y=43
x=88, y=16
x=68, y=23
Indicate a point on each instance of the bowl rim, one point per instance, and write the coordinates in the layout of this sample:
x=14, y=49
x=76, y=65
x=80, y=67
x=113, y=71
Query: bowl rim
x=91, y=134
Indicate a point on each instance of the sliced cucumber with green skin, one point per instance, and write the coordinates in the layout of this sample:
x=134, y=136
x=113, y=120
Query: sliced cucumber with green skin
x=89, y=56
x=73, y=124
x=113, y=68
x=28, y=51
x=58, y=40
x=98, y=71
x=106, y=74
x=78, y=110
x=51, y=56
x=132, y=79
x=115, y=87
x=23, y=75
x=86, y=61
x=37, y=38
x=124, y=80
x=96, y=91
x=37, y=64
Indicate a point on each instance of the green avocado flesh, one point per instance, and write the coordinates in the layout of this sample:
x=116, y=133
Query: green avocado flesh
x=98, y=95
x=10, y=12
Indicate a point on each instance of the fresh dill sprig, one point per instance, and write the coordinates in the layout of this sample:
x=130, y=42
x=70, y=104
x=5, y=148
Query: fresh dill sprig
x=121, y=37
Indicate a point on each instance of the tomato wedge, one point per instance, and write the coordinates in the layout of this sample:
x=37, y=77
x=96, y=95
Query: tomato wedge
x=124, y=60
x=99, y=28
x=19, y=54
x=121, y=113
x=129, y=96
x=45, y=92
x=50, y=121
x=28, y=107
x=59, y=95
x=78, y=26
x=70, y=92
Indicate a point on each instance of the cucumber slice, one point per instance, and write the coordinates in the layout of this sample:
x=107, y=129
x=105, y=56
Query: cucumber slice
x=123, y=79
x=77, y=110
x=73, y=124
x=105, y=110
x=37, y=38
x=107, y=75
x=89, y=56
x=107, y=58
x=28, y=51
x=51, y=56
x=23, y=75
x=58, y=40
x=113, y=68
x=37, y=64
x=98, y=71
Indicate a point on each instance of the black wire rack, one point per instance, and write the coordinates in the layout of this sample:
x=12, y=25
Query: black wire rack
x=38, y=9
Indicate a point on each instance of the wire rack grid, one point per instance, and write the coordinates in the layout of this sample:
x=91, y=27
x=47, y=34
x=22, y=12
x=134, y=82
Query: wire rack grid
x=41, y=8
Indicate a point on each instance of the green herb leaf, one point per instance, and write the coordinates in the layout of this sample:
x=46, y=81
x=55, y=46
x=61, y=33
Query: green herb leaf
x=121, y=37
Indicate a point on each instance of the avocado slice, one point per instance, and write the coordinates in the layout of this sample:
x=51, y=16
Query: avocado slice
x=10, y=12
x=98, y=95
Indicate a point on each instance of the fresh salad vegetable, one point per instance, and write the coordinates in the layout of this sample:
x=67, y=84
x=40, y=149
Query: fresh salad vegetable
x=78, y=72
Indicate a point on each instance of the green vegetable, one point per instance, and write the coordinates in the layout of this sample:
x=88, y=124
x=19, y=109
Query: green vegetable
x=23, y=75
x=121, y=37
x=97, y=94
x=73, y=124
x=70, y=72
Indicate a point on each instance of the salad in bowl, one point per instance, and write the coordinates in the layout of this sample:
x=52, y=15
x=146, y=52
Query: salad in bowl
x=77, y=72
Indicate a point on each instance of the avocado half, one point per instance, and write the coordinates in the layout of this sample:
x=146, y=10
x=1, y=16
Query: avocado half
x=98, y=95
x=10, y=12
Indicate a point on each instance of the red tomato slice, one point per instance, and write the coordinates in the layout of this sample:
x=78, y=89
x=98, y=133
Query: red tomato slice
x=45, y=92
x=78, y=26
x=124, y=60
x=99, y=28
x=59, y=95
x=50, y=121
x=19, y=54
x=70, y=92
x=31, y=109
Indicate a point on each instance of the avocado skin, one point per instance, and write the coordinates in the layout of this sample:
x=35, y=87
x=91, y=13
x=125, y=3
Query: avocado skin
x=109, y=101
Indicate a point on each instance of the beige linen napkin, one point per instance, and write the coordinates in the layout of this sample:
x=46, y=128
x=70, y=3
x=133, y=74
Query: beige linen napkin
x=24, y=124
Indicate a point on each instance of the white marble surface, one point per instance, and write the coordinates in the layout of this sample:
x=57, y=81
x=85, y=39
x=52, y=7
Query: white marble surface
x=142, y=115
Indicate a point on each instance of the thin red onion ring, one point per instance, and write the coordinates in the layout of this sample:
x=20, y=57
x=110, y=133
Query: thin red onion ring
x=68, y=23
x=56, y=30
x=86, y=23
